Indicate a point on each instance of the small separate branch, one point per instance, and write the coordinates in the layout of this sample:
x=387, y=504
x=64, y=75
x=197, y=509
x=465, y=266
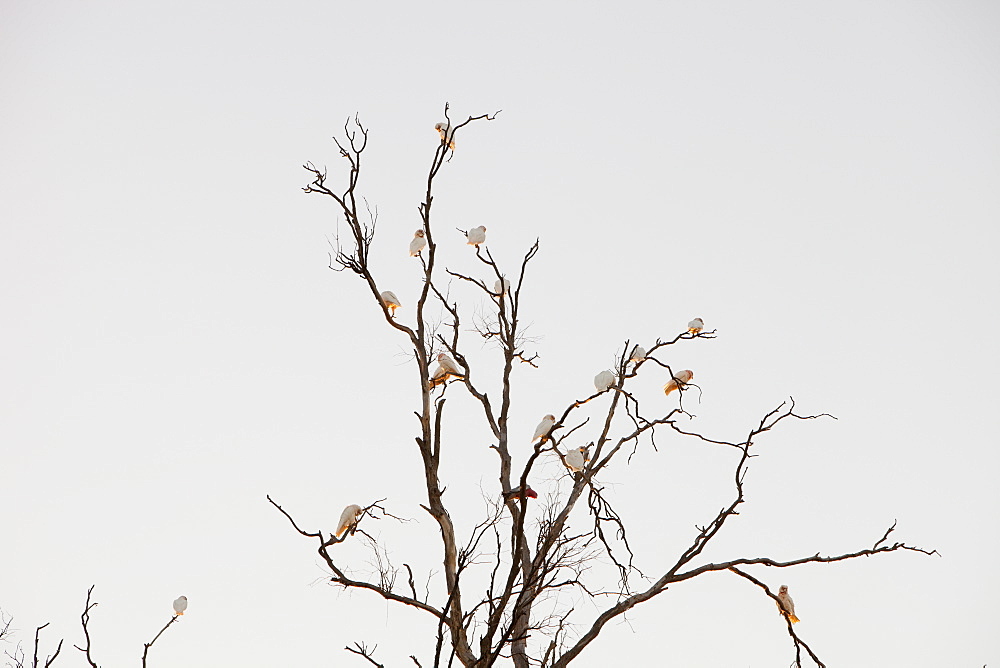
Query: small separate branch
x=85, y=621
x=146, y=646
x=362, y=650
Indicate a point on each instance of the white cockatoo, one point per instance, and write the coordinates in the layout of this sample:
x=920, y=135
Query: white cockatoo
x=680, y=379
x=180, y=605
x=576, y=459
x=418, y=244
x=501, y=286
x=391, y=301
x=544, y=427
x=348, y=518
x=638, y=354
x=476, y=236
x=604, y=380
x=447, y=134
x=446, y=368
x=787, y=607
x=696, y=325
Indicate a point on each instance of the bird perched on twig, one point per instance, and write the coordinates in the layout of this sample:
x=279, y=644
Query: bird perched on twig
x=638, y=354
x=696, y=326
x=787, y=607
x=447, y=133
x=501, y=286
x=180, y=605
x=604, y=380
x=516, y=493
x=680, y=379
x=391, y=301
x=348, y=518
x=418, y=243
x=576, y=459
x=476, y=236
x=544, y=427
x=446, y=368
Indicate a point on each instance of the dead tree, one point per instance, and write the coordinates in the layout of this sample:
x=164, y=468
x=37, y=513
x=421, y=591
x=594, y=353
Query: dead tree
x=521, y=564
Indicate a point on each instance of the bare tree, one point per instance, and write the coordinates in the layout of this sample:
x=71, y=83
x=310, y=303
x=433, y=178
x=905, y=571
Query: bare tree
x=512, y=568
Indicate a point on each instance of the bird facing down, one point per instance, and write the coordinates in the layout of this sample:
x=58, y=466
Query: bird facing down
x=576, y=459
x=418, y=244
x=680, y=379
x=516, y=493
x=604, y=380
x=501, y=286
x=391, y=301
x=447, y=134
x=476, y=236
x=638, y=354
x=348, y=518
x=696, y=325
x=544, y=427
x=787, y=606
x=446, y=368
x=180, y=605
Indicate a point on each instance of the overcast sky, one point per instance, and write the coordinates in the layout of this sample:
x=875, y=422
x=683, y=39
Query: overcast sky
x=818, y=181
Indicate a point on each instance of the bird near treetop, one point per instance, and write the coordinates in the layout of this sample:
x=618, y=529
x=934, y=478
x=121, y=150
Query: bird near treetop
x=418, y=243
x=604, y=380
x=446, y=368
x=476, y=236
x=638, y=354
x=544, y=427
x=446, y=133
x=576, y=459
x=180, y=605
x=348, y=518
x=680, y=379
x=696, y=325
x=516, y=493
x=391, y=301
x=501, y=286
x=787, y=606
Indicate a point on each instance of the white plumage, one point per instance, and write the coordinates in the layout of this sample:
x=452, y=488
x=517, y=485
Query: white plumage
x=544, y=427
x=576, y=459
x=604, y=380
x=680, y=379
x=787, y=606
x=180, y=605
x=391, y=301
x=638, y=354
x=447, y=133
x=696, y=325
x=501, y=286
x=445, y=369
x=418, y=243
x=348, y=518
x=476, y=236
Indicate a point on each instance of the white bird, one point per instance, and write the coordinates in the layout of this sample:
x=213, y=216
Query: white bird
x=696, y=325
x=391, y=301
x=348, y=518
x=180, y=605
x=638, y=354
x=447, y=134
x=604, y=380
x=680, y=379
x=544, y=427
x=476, y=236
x=445, y=369
x=501, y=286
x=576, y=459
x=418, y=244
x=787, y=606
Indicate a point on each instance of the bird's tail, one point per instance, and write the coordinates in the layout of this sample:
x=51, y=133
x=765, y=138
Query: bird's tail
x=793, y=619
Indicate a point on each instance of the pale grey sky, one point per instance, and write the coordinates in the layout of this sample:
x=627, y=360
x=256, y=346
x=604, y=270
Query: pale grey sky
x=817, y=181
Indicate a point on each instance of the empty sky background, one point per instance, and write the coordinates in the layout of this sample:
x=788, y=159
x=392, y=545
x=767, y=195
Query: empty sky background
x=818, y=181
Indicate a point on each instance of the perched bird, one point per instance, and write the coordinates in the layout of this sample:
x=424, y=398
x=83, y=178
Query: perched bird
x=516, y=493
x=391, y=301
x=501, y=286
x=604, y=380
x=446, y=368
x=418, y=244
x=638, y=354
x=476, y=236
x=680, y=379
x=787, y=607
x=544, y=427
x=576, y=459
x=180, y=605
x=696, y=325
x=447, y=134
x=348, y=518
